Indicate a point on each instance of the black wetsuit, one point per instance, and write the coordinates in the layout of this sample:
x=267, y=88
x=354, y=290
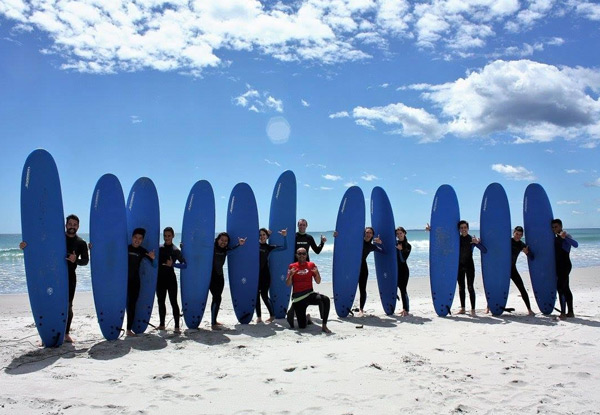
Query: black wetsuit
x=79, y=247
x=264, y=276
x=217, y=280
x=306, y=241
x=466, y=266
x=368, y=247
x=167, y=281
x=403, y=271
x=562, y=248
x=135, y=258
x=516, y=248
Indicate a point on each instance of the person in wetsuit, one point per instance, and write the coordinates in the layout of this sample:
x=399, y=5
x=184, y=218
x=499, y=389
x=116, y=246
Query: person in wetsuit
x=518, y=246
x=306, y=241
x=169, y=257
x=300, y=275
x=403, y=249
x=466, y=267
x=136, y=254
x=370, y=244
x=264, y=275
x=77, y=254
x=217, y=278
x=563, y=242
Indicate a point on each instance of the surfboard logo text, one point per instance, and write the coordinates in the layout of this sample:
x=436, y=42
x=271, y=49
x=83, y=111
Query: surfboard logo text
x=27, y=177
x=232, y=203
x=191, y=202
x=131, y=200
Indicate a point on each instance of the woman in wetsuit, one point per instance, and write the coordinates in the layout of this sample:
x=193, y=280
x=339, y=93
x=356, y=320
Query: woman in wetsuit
x=264, y=275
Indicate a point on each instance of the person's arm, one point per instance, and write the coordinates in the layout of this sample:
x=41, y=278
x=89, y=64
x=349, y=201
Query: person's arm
x=406, y=248
x=528, y=252
x=316, y=248
x=179, y=260
x=378, y=245
x=476, y=242
x=280, y=247
x=317, y=275
x=568, y=241
x=290, y=276
x=151, y=256
x=84, y=256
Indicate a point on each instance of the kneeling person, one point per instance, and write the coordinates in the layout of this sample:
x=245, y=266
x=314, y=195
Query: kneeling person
x=301, y=274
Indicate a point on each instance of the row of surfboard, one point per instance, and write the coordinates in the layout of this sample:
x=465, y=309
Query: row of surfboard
x=112, y=219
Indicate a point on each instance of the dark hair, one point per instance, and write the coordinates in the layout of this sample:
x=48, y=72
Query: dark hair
x=169, y=229
x=265, y=230
x=463, y=222
x=400, y=228
x=302, y=220
x=556, y=221
x=139, y=231
x=72, y=216
x=518, y=229
x=219, y=237
x=372, y=230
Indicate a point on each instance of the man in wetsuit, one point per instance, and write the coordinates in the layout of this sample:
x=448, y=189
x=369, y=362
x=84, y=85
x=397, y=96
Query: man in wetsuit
x=300, y=275
x=562, y=248
x=306, y=241
x=466, y=266
x=518, y=246
x=136, y=254
x=77, y=254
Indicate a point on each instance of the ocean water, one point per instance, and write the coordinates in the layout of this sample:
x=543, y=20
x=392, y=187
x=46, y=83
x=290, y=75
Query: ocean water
x=12, y=268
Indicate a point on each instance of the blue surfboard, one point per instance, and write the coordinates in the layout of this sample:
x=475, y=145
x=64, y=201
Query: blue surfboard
x=108, y=256
x=495, y=236
x=43, y=228
x=537, y=215
x=386, y=263
x=243, y=262
x=143, y=212
x=198, y=240
x=444, y=248
x=347, y=249
x=282, y=216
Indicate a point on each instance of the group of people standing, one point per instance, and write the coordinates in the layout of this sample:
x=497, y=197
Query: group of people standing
x=302, y=272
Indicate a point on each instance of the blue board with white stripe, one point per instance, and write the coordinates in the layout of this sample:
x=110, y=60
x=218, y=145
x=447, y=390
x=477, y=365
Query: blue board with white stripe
x=495, y=236
x=537, y=215
x=243, y=262
x=198, y=241
x=444, y=248
x=347, y=249
x=386, y=262
x=108, y=256
x=43, y=229
x=282, y=216
x=143, y=212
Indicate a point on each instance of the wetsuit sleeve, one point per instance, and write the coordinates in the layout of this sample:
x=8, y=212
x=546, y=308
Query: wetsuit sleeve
x=378, y=247
x=181, y=264
x=479, y=246
x=406, y=251
x=152, y=261
x=232, y=248
x=569, y=242
x=279, y=247
x=83, y=255
x=316, y=248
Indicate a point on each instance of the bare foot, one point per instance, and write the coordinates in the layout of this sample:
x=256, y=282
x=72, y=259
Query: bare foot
x=461, y=311
x=472, y=313
x=562, y=316
x=404, y=313
x=177, y=330
x=325, y=329
x=68, y=339
x=308, y=320
x=217, y=326
x=360, y=314
x=530, y=312
x=130, y=333
x=570, y=314
x=258, y=320
x=487, y=310
x=160, y=328
x=270, y=319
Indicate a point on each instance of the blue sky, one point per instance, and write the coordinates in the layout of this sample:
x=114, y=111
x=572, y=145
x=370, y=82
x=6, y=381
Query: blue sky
x=402, y=95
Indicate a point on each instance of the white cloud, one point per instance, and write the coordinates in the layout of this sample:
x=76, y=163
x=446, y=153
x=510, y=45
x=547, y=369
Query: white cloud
x=304, y=103
x=325, y=188
x=273, y=163
x=568, y=202
x=412, y=121
x=320, y=166
x=350, y=184
x=341, y=114
x=595, y=183
x=331, y=177
x=573, y=171
x=513, y=172
x=419, y=191
x=135, y=119
x=577, y=212
x=369, y=177
x=257, y=101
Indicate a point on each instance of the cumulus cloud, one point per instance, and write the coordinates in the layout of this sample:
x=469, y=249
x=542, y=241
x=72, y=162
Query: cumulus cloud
x=256, y=101
x=341, y=114
x=369, y=177
x=304, y=103
x=595, y=183
x=513, y=172
x=331, y=177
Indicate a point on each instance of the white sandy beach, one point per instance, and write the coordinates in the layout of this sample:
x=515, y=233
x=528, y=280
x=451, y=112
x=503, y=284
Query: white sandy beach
x=376, y=364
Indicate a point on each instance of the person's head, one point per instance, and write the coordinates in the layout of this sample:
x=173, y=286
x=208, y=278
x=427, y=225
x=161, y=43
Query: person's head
x=72, y=225
x=302, y=225
x=301, y=255
x=463, y=227
x=556, y=225
x=369, y=233
x=137, y=237
x=263, y=235
x=518, y=233
x=222, y=240
x=400, y=233
x=168, y=235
